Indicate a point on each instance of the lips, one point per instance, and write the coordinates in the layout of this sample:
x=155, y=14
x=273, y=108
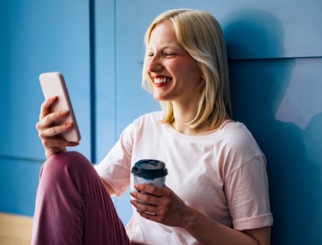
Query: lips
x=161, y=81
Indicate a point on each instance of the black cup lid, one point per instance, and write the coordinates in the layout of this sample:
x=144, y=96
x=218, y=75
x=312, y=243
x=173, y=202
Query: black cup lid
x=149, y=168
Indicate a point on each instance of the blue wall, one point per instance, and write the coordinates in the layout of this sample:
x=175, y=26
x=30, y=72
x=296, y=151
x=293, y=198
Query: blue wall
x=275, y=55
x=37, y=36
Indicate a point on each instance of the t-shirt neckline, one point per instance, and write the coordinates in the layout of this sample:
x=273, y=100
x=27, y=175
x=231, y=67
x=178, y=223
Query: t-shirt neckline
x=211, y=134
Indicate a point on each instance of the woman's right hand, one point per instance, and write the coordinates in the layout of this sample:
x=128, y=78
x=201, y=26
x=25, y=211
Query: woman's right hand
x=49, y=134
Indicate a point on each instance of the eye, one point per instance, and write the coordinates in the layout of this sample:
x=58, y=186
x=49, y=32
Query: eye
x=149, y=54
x=169, y=54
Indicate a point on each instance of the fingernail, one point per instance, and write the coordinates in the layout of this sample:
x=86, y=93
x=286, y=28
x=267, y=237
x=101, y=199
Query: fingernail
x=69, y=125
x=63, y=113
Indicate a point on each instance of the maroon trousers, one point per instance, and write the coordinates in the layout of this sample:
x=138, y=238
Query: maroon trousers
x=73, y=207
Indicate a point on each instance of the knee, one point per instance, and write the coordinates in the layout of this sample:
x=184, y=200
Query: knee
x=69, y=157
x=64, y=163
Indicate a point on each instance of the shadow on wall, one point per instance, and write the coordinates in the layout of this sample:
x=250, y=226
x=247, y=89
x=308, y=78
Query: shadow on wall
x=259, y=79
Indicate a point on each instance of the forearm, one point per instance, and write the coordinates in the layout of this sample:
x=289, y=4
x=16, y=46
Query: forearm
x=165, y=207
x=108, y=188
x=208, y=231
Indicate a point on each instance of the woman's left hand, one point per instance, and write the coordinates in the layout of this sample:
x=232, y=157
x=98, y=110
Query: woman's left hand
x=164, y=206
x=159, y=204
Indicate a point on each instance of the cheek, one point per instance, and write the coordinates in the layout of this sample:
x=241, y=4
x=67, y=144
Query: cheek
x=191, y=72
x=179, y=70
x=187, y=66
x=194, y=68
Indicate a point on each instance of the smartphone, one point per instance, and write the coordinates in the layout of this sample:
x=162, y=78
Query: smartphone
x=53, y=84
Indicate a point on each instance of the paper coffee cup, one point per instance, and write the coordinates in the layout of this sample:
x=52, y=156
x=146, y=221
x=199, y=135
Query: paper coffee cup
x=149, y=171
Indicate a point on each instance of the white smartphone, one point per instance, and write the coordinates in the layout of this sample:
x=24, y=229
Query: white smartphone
x=53, y=84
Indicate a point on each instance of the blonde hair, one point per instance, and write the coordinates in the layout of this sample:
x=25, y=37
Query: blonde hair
x=201, y=36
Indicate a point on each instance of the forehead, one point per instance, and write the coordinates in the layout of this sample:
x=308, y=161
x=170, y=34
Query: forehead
x=163, y=34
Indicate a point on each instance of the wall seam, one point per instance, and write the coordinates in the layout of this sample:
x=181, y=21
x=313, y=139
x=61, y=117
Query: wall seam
x=22, y=159
x=115, y=73
x=92, y=85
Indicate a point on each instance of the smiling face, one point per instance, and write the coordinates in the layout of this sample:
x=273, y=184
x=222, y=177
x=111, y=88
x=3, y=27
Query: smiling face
x=176, y=76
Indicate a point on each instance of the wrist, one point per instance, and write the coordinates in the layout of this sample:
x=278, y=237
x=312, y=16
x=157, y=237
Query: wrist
x=53, y=151
x=189, y=220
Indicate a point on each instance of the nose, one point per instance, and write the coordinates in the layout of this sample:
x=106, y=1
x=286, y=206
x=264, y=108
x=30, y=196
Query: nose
x=153, y=64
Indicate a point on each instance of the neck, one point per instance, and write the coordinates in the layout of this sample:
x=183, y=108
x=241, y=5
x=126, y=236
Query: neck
x=184, y=115
x=184, y=129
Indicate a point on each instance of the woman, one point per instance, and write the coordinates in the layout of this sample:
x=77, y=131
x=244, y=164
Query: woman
x=216, y=191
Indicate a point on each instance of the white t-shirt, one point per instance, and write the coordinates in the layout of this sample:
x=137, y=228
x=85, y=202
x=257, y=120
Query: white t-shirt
x=222, y=174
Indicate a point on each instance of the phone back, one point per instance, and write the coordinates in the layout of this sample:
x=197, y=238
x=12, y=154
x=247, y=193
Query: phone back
x=53, y=84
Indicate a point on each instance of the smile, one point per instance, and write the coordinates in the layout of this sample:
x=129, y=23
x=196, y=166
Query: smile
x=161, y=80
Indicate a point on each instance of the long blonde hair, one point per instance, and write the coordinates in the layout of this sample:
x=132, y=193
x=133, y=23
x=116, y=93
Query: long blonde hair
x=200, y=34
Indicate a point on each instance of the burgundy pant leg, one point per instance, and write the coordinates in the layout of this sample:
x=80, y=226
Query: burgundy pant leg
x=73, y=207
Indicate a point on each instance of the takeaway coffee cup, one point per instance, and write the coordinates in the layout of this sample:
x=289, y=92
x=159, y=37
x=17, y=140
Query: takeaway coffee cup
x=149, y=171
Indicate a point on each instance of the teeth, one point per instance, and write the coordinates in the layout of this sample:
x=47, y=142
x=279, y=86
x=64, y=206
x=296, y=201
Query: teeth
x=161, y=80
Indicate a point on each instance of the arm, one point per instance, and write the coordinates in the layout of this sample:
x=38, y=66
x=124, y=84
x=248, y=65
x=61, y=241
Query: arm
x=167, y=208
x=208, y=231
x=108, y=187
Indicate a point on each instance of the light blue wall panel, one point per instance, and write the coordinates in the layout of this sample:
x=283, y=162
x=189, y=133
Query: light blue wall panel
x=280, y=102
x=18, y=185
x=259, y=26
x=105, y=78
x=105, y=53
x=294, y=23
x=41, y=36
x=36, y=37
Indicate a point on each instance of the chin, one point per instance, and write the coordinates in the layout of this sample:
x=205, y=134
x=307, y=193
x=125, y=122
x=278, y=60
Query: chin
x=163, y=97
x=160, y=98
x=157, y=97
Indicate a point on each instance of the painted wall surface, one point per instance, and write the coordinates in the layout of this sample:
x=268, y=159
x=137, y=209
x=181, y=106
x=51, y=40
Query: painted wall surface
x=36, y=37
x=275, y=55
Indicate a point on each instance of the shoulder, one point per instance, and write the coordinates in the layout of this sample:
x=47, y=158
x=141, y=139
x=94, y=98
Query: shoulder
x=237, y=135
x=148, y=121
x=239, y=143
x=234, y=127
x=239, y=149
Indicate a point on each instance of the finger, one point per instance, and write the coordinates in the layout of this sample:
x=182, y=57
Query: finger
x=72, y=143
x=150, y=213
x=151, y=189
x=45, y=106
x=145, y=207
x=152, y=217
x=55, y=130
x=146, y=198
x=50, y=118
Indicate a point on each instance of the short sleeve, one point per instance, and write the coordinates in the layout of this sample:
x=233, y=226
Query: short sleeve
x=247, y=195
x=116, y=166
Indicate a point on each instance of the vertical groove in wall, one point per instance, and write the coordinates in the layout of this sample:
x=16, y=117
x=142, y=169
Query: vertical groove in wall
x=92, y=80
x=115, y=85
x=115, y=72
